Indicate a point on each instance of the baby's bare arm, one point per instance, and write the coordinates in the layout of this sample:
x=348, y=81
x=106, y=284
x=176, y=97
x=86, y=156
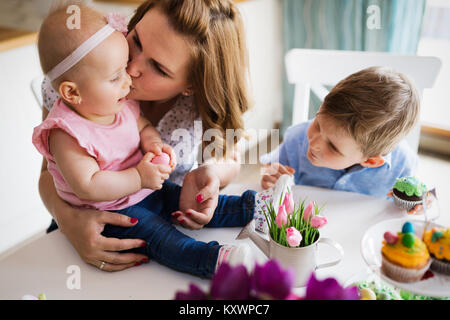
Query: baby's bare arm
x=83, y=175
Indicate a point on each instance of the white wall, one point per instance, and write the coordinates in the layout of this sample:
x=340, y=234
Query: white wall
x=22, y=213
x=263, y=23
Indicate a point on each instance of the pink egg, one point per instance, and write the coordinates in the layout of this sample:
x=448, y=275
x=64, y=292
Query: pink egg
x=390, y=237
x=164, y=158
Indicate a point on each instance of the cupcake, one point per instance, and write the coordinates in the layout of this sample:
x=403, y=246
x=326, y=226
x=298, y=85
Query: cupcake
x=437, y=241
x=408, y=192
x=405, y=257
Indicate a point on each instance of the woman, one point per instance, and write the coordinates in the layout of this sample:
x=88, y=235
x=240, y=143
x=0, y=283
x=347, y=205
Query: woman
x=187, y=62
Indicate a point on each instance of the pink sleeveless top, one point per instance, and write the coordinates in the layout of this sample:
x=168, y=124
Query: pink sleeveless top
x=115, y=147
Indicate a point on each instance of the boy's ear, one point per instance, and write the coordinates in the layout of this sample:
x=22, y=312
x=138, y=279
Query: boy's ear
x=373, y=162
x=68, y=90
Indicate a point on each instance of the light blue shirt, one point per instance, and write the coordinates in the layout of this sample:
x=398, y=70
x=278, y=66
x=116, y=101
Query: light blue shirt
x=371, y=181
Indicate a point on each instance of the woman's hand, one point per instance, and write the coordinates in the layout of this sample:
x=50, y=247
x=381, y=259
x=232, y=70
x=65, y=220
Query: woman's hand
x=83, y=228
x=272, y=172
x=198, y=199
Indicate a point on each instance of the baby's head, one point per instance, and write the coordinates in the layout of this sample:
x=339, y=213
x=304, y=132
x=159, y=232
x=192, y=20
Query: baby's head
x=93, y=86
x=363, y=118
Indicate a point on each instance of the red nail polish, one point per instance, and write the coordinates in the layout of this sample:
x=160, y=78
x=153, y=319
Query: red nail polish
x=199, y=198
x=143, y=244
x=182, y=221
x=176, y=214
x=137, y=264
x=133, y=220
x=145, y=260
x=189, y=213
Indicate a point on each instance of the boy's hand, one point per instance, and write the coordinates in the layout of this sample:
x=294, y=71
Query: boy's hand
x=152, y=175
x=418, y=209
x=272, y=172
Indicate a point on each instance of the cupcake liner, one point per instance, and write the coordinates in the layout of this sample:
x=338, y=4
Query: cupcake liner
x=440, y=266
x=403, y=274
x=405, y=204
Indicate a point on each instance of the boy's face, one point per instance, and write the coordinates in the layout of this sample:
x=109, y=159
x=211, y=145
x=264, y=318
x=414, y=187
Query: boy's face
x=331, y=146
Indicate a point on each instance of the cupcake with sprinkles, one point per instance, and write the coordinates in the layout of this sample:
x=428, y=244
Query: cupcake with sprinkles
x=438, y=244
x=405, y=257
x=408, y=192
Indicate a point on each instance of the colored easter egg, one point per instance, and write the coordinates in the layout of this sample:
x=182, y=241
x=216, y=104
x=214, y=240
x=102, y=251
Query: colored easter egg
x=390, y=237
x=383, y=296
x=436, y=235
x=408, y=240
x=163, y=158
x=408, y=227
x=367, y=294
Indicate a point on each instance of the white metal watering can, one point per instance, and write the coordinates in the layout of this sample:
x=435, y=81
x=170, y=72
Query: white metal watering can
x=302, y=260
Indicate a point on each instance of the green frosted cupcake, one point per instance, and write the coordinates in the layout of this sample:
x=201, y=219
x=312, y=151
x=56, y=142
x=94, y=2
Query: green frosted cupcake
x=408, y=192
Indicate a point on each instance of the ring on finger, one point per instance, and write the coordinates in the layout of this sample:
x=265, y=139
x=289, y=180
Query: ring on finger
x=102, y=265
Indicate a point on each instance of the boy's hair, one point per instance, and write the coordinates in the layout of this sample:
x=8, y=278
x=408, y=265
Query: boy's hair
x=377, y=106
x=56, y=41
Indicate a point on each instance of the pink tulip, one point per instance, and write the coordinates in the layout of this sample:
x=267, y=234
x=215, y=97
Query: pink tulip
x=293, y=237
x=281, y=218
x=289, y=203
x=308, y=212
x=318, y=221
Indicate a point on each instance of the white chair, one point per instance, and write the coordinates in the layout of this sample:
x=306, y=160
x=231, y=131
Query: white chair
x=36, y=89
x=310, y=69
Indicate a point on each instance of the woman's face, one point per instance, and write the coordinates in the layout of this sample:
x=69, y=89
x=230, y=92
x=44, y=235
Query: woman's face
x=159, y=59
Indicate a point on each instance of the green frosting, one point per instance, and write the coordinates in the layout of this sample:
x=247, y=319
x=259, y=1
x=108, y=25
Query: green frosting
x=410, y=186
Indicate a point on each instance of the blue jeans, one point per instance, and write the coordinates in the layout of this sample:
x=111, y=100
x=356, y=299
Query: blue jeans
x=171, y=247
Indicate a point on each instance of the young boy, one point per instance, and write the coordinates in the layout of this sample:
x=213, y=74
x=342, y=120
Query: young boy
x=355, y=141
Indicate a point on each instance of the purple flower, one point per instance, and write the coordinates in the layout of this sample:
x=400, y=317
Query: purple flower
x=194, y=293
x=329, y=289
x=270, y=281
x=230, y=283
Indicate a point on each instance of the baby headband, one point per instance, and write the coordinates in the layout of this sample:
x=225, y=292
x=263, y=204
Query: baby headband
x=116, y=22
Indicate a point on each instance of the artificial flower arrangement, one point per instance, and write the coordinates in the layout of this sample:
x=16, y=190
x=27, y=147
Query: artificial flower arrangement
x=294, y=227
x=269, y=281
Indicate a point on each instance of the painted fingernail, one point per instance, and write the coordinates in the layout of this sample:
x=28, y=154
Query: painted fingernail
x=189, y=213
x=133, y=220
x=137, y=264
x=182, y=221
x=143, y=244
x=176, y=214
x=145, y=260
x=199, y=198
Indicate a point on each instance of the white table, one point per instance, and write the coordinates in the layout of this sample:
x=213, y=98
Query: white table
x=45, y=265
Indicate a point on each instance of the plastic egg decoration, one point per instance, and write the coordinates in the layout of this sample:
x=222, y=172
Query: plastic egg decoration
x=163, y=158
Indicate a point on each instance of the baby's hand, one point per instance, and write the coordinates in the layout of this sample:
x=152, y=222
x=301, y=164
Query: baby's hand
x=158, y=147
x=152, y=175
x=272, y=172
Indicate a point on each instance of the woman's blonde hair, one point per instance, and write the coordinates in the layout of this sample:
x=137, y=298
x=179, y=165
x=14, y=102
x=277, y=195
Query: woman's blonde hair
x=377, y=106
x=219, y=65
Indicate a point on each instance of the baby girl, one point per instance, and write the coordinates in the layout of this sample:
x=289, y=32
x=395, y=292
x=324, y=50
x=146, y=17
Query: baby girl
x=93, y=137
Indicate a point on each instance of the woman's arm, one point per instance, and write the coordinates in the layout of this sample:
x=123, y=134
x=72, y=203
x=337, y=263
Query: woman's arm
x=200, y=192
x=83, y=228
